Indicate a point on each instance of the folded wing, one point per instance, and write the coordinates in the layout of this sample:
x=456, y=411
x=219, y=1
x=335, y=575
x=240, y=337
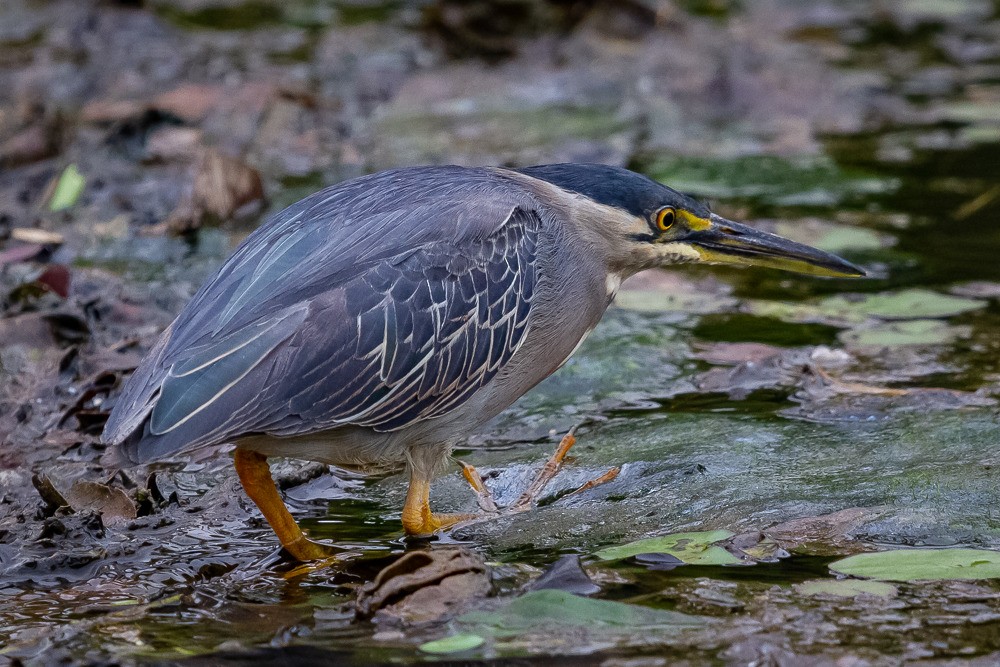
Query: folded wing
x=391, y=339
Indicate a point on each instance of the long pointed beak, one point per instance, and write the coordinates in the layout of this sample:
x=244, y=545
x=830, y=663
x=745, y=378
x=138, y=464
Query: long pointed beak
x=727, y=242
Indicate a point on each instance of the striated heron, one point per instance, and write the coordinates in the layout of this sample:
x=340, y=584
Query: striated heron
x=379, y=321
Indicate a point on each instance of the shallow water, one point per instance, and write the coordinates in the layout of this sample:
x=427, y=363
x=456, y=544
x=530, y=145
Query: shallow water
x=710, y=431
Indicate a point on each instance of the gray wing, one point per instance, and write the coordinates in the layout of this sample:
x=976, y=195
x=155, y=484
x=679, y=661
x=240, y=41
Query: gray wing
x=286, y=342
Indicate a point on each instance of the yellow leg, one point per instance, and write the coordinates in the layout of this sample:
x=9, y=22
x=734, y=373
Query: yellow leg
x=255, y=475
x=417, y=516
x=530, y=496
x=545, y=475
x=483, y=495
x=419, y=520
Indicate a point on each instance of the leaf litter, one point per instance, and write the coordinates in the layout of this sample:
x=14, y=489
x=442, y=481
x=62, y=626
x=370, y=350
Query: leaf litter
x=138, y=558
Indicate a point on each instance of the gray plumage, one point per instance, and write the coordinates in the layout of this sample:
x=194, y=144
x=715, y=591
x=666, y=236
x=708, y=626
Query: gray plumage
x=376, y=303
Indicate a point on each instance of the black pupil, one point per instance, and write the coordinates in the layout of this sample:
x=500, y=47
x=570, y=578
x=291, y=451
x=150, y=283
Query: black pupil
x=667, y=218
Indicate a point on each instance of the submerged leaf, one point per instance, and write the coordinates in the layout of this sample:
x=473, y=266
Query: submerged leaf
x=913, y=332
x=454, y=644
x=832, y=237
x=846, y=588
x=909, y=304
x=691, y=548
x=922, y=565
x=538, y=610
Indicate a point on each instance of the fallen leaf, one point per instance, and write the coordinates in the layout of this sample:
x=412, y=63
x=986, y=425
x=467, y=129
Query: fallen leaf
x=49, y=493
x=646, y=301
x=56, y=278
x=68, y=189
x=846, y=588
x=225, y=183
x=977, y=289
x=825, y=534
x=33, y=143
x=844, y=311
x=113, y=504
x=423, y=586
x=112, y=111
x=21, y=253
x=912, y=332
x=832, y=237
x=550, y=610
x=39, y=236
x=909, y=304
x=30, y=329
x=454, y=644
x=566, y=574
x=222, y=185
x=730, y=354
x=173, y=143
x=692, y=548
x=190, y=102
x=922, y=565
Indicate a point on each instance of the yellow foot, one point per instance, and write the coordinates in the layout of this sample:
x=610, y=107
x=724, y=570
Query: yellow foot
x=303, y=549
x=530, y=497
x=255, y=475
x=310, y=565
x=418, y=519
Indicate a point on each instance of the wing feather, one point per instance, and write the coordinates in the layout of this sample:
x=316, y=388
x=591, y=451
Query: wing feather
x=382, y=341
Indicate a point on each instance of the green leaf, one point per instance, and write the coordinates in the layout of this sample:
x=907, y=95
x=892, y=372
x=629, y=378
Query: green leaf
x=541, y=610
x=831, y=236
x=454, y=644
x=68, y=189
x=922, y=565
x=846, y=588
x=913, y=332
x=692, y=548
x=909, y=304
x=765, y=178
x=985, y=111
x=789, y=312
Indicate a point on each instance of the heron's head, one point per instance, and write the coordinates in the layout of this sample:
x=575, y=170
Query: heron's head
x=646, y=224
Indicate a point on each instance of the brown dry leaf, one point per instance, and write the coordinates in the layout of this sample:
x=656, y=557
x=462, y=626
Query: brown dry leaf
x=21, y=253
x=730, y=354
x=173, y=143
x=34, y=143
x=113, y=504
x=49, y=493
x=423, y=586
x=827, y=534
x=112, y=111
x=831, y=384
x=190, y=102
x=30, y=329
x=224, y=184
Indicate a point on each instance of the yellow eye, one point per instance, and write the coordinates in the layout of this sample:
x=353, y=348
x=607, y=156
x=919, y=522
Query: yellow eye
x=665, y=218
